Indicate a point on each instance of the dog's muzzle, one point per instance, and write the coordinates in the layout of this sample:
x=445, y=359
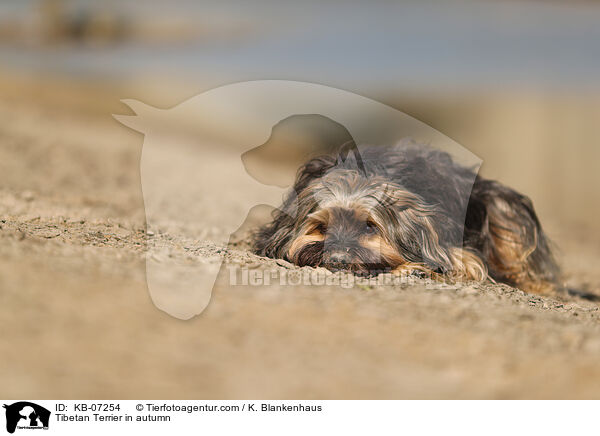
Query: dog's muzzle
x=338, y=260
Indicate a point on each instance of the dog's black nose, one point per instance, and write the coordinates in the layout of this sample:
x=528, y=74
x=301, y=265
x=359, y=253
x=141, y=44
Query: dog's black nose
x=339, y=260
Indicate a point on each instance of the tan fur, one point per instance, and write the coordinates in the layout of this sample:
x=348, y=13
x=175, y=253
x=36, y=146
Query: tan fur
x=377, y=244
x=403, y=268
x=409, y=268
x=302, y=241
x=512, y=248
x=467, y=265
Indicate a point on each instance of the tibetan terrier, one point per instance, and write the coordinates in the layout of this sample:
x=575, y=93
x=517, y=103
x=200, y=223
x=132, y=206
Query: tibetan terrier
x=409, y=209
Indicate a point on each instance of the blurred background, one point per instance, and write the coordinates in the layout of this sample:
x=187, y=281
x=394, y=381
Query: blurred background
x=515, y=82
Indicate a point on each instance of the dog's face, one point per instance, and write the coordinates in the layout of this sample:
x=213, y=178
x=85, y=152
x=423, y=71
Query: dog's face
x=339, y=238
x=348, y=221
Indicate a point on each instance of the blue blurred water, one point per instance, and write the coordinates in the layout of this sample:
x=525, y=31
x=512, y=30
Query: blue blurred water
x=379, y=44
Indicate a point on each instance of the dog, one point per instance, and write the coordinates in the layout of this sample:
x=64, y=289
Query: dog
x=409, y=209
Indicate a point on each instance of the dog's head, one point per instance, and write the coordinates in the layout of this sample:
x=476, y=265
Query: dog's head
x=344, y=215
x=351, y=221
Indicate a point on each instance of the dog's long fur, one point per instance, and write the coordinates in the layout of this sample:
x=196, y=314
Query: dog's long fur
x=409, y=208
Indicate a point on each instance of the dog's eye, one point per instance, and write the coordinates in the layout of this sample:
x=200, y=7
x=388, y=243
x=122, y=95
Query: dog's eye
x=321, y=228
x=371, y=228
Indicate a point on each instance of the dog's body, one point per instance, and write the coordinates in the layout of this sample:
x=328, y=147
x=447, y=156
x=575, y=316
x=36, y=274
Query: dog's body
x=409, y=208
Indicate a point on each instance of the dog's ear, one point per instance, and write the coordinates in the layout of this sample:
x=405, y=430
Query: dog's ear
x=273, y=239
x=411, y=227
x=389, y=197
x=433, y=254
x=396, y=198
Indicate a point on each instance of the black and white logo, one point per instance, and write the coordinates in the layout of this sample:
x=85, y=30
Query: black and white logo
x=26, y=415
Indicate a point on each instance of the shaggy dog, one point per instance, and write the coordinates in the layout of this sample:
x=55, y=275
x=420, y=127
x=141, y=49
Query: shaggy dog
x=409, y=209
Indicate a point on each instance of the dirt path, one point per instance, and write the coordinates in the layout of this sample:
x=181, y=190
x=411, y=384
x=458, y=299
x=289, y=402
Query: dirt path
x=78, y=321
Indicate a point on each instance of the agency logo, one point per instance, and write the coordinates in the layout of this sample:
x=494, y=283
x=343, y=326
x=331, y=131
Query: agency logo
x=26, y=415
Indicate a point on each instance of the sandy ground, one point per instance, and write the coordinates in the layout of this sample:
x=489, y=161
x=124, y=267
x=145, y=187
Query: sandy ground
x=78, y=322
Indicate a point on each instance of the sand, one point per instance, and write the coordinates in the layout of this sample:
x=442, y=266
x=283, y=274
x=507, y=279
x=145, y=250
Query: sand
x=78, y=320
